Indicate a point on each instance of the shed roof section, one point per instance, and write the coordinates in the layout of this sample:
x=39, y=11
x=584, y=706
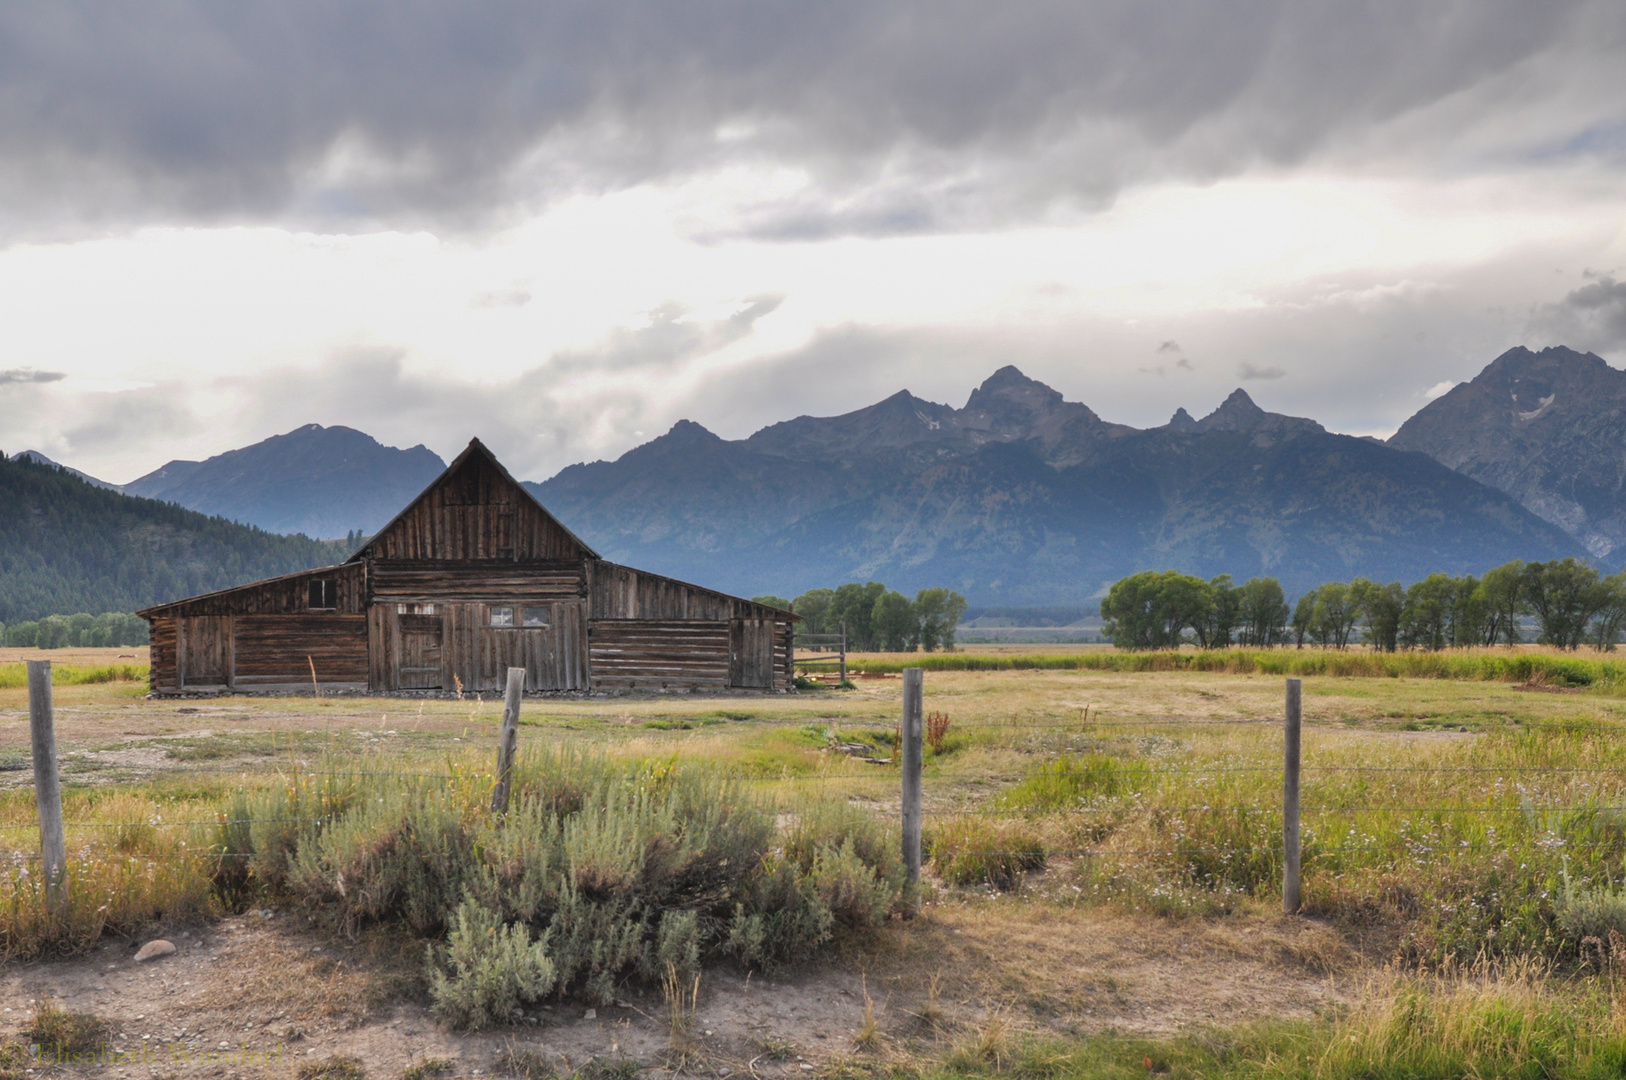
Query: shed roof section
x=286, y=594
x=475, y=510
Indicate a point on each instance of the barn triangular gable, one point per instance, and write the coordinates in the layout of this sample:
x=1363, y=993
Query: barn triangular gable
x=475, y=511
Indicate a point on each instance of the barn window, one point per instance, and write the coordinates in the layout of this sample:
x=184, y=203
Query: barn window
x=536, y=616
x=502, y=616
x=323, y=595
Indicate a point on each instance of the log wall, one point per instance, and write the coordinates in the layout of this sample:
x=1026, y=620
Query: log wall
x=496, y=582
x=658, y=655
x=457, y=648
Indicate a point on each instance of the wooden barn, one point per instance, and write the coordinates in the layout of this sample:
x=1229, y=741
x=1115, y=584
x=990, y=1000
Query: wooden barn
x=472, y=578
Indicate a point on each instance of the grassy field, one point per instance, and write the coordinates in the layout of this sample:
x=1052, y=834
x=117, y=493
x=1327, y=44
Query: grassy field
x=1465, y=838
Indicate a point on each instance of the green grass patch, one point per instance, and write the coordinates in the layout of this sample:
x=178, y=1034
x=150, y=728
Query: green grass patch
x=13, y=676
x=1514, y=667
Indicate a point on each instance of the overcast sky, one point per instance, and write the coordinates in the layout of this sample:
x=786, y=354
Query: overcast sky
x=564, y=227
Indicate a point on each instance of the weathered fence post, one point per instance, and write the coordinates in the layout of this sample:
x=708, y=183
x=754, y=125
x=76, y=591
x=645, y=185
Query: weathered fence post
x=508, y=741
x=47, y=785
x=911, y=740
x=1290, y=800
x=843, y=625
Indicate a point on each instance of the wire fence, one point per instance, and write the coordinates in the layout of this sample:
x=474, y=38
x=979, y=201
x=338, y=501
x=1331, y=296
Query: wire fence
x=1134, y=798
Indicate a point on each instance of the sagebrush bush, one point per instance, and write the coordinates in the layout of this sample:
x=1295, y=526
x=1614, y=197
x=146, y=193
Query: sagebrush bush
x=487, y=969
x=402, y=852
x=1590, y=912
x=599, y=871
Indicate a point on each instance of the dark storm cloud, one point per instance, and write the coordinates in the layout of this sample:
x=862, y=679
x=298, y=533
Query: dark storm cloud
x=29, y=375
x=1592, y=317
x=909, y=116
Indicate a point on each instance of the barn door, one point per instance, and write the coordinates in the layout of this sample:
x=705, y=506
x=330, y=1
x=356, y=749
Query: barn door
x=420, y=664
x=206, y=650
x=750, y=654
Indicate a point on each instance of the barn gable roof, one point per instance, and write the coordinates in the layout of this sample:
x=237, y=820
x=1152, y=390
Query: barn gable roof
x=475, y=449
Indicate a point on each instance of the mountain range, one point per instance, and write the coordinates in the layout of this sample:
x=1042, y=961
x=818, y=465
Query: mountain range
x=315, y=480
x=1023, y=498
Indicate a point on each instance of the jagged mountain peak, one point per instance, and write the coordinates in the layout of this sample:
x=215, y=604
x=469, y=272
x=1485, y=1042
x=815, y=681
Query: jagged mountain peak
x=1009, y=383
x=1547, y=427
x=689, y=430
x=1181, y=421
x=320, y=481
x=1236, y=413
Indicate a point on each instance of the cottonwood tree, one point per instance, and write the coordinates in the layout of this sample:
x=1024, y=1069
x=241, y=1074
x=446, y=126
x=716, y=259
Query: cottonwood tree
x=1500, y=598
x=814, y=608
x=1303, y=617
x=1564, y=595
x=854, y=604
x=1333, y=614
x=1380, y=607
x=1153, y=610
x=939, y=612
x=1217, y=624
x=1262, y=612
x=895, y=623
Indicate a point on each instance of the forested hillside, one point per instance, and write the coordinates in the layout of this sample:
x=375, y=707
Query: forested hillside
x=66, y=546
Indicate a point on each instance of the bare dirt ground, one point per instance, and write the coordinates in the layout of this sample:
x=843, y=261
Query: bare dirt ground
x=270, y=982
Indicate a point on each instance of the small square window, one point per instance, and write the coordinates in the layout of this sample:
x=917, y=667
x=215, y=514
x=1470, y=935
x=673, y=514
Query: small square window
x=322, y=595
x=536, y=616
x=502, y=616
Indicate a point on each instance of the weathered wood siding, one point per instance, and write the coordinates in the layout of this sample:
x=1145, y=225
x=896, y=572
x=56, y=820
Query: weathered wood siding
x=265, y=634
x=281, y=650
x=161, y=674
x=286, y=595
x=750, y=653
x=651, y=654
x=475, y=511
x=458, y=648
x=620, y=592
x=497, y=582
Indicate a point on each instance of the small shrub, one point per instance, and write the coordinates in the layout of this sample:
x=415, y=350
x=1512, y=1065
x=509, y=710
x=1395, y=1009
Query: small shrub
x=489, y=970
x=682, y=996
x=338, y=1067
x=972, y=850
x=524, y=1062
x=429, y=1069
x=59, y=1033
x=1583, y=913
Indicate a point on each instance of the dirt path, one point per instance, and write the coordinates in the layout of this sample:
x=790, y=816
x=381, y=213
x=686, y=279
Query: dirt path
x=269, y=982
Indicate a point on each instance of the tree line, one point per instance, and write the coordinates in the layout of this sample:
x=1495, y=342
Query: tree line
x=76, y=631
x=1570, y=603
x=878, y=619
x=66, y=546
